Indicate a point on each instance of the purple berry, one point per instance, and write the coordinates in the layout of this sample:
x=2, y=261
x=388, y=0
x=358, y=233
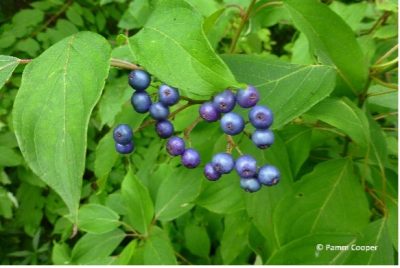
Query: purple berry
x=208, y=112
x=269, y=175
x=139, y=80
x=190, y=158
x=168, y=95
x=159, y=111
x=210, y=172
x=225, y=101
x=164, y=129
x=263, y=138
x=232, y=123
x=250, y=185
x=124, y=148
x=141, y=101
x=261, y=117
x=248, y=97
x=223, y=163
x=175, y=146
x=246, y=166
x=123, y=134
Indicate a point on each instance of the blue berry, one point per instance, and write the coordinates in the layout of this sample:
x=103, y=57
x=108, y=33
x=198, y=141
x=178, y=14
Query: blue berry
x=263, y=138
x=246, y=166
x=124, y=148
x=175, y=146
x=190, y=158
x=159, y=111
x=232, y=123
x=269, y=175
x=223, y=163
x=250, y=185
x=168, y=95
x=210, y=172
x=139, y=79
x=225, y=101
x=141, y=102
x=208, y=112
x=164, y=129
x=248, y=97
x=123, y=134
x=261, y=117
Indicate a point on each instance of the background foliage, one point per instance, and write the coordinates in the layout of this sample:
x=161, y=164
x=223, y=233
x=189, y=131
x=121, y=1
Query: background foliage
x=327, y=69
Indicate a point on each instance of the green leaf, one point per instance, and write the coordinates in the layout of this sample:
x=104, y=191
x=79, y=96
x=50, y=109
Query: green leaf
x=136, y=15
x=7, y=67
x=173, y=47
x=127, y=253
x=138, y=202
x=331, y=39
x=383, y=97
x=60, y=254
x=344, y=115
x=320, y=203
x=288, y=89
x=9, y=157
x=96, y=248
x=375, y=235
x=177, y=192
x=52, y=109
x=197, y=240
x=97, y=219
x=158, y=249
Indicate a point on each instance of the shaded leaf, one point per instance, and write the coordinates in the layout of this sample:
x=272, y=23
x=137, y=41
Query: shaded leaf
x=158, y=249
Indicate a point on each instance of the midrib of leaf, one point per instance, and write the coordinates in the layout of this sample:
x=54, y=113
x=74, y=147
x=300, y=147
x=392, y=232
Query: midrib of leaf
x=340, y=253
x=297, y=135
x=11, y=63
x=282, y=77
x=155, y=251
x=378, y=236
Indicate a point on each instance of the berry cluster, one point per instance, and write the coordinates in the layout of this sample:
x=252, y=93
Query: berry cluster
x=261, y=117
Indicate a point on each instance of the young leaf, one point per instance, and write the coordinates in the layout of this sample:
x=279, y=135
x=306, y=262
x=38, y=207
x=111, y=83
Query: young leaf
x=127, y=253
x=158, y=249
x=97, y=219
x=332, y=40
x=197, y=240
x=173, y=47
x=51, y=111
x=7, y=67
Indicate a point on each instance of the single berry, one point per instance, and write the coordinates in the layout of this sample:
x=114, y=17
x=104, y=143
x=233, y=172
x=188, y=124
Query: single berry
x=141, y=102
x=175, y=146
x=210, y=172
x=263, y=138
x=164, y=129
x=250, y=185
x=139, y=79
x=248, y=97
x=269, y=175
x=159, y=111
x=232, y=123
x=225, y=101
x=223, y=163
x=246, y=166
x=168, y=95
x=208, y=112
x=190, y=158
x=124, y=148
x=123, y=134
x=261, y=117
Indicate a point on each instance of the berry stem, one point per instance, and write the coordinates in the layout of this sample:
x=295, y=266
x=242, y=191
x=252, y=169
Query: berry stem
x=231, y=144
x=123, y=64
x=272, y=3
x=192, y=101
x=189, y=129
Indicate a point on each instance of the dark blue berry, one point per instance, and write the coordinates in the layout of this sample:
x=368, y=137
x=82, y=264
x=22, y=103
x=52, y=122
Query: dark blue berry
x=123, y=134
x=223, y=163
x=124, y=148
x=232, y=123
x=250, y=185
x=141, y=101
x=246, y=166
x=263, y=138
x=164, y=129
x=269, y=175
x=225, y=101
x=159, y=111
x=139, y=79
x=210, y=172
x=261, y=117
x=168, y=95
x=208, y=112
x=248, y=97
x=175, y=146
x=190, y=158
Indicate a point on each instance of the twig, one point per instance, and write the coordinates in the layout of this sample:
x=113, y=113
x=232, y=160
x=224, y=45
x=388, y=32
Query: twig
x=273, y=3
x=123, y=64
x=189, y=129
x=380, y=116
x=183, y=258
x=231, y=144
x=387, y=54
x=386, y=84
x=378, y=23
x=192, y=101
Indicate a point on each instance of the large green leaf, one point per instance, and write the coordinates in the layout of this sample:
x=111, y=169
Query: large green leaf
x=97, y=219
x=329, y=199
x=288, y=89
x=7, y=67
x=138, y=202
x=51, y=112
x=173, y=47
x=331, y=39
x=158, y=249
